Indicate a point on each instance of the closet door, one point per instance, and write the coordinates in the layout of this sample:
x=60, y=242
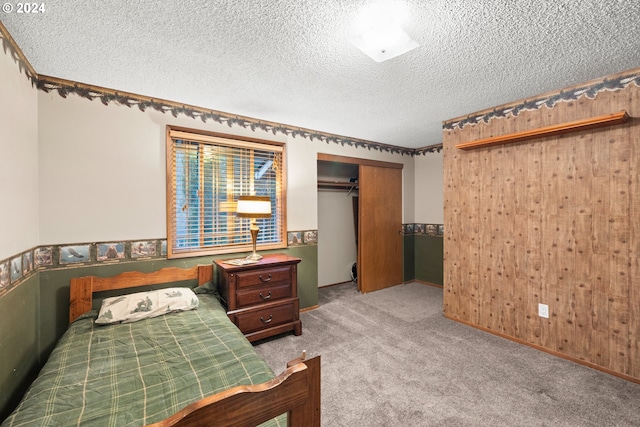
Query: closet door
x=379, y=230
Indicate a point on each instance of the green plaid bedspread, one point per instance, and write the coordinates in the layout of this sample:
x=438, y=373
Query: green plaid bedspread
x=140, y=373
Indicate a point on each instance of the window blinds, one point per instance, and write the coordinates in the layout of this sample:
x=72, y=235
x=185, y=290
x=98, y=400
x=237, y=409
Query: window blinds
x=207, y=174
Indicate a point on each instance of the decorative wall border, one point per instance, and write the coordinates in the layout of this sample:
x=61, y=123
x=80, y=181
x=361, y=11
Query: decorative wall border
x=9, y=44
x=302, y=238
x=18, y=268
x=420, y=229
x=589, y=89
x=107, y=96
x=435, y=148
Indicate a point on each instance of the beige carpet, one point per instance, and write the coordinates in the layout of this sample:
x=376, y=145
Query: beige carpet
x=390, y=358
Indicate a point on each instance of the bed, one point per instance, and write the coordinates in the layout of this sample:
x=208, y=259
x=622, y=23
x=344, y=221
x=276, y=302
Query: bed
x=186, y=368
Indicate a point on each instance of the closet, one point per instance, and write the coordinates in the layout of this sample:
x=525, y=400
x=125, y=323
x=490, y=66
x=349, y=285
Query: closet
x=337, y=221
x=367, y=227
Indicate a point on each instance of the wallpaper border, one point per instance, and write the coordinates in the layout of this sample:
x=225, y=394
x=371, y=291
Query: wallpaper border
x=589, y=89
x=18, y=268
x=9, y=44
x=108, y=96
x=422, y=229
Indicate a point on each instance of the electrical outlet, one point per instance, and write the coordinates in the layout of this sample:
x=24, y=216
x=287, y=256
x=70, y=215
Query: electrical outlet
x=543, y=310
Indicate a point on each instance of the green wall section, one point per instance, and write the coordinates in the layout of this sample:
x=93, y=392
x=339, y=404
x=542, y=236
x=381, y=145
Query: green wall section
x=36, y=312
x=429, y=259
x=409, y=257
x=19, y=353
x=423, y=258
x=54, y=285
x=307, y=274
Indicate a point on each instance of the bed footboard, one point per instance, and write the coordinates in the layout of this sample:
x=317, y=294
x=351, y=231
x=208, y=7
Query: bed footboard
x=296, y=391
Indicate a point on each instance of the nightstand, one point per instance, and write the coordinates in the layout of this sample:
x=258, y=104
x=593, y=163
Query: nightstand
x=262, y=298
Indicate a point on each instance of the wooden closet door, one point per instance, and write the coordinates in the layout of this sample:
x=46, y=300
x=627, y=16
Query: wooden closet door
x=380, y=261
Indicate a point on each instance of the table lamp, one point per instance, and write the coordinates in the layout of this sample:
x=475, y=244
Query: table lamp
x=254, y=207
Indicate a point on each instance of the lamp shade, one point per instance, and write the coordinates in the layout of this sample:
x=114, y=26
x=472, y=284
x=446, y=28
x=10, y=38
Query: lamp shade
x=253, y=207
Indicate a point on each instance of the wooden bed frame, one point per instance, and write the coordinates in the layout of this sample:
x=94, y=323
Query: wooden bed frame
x=295, y=391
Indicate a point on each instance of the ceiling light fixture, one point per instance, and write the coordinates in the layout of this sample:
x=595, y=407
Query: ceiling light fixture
x=379, y=33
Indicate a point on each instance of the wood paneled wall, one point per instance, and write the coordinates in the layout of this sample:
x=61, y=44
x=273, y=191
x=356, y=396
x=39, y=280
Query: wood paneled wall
x=553, y=221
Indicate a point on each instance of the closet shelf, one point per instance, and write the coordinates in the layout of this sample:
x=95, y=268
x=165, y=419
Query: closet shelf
x=339, y=185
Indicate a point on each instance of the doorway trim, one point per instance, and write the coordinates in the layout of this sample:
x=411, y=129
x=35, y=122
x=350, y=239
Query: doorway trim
x=358, y=161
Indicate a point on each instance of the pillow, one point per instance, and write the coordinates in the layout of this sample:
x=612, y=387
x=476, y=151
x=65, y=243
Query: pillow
x=143, y=305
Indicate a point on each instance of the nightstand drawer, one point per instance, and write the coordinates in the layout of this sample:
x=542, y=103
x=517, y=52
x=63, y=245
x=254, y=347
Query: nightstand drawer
x=264, y=276
x=254, y=320
x=261, y=294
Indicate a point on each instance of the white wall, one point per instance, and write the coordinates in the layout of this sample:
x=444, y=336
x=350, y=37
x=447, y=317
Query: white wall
x=337, y=249
x=303, y=171
x=429, y=189
x=102, y=171
x=18, y=160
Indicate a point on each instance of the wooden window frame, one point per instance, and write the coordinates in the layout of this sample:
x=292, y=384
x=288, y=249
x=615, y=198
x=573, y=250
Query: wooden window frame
x=235, y=141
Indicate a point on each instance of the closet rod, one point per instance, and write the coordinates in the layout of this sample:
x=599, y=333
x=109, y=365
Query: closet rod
x=337, y=185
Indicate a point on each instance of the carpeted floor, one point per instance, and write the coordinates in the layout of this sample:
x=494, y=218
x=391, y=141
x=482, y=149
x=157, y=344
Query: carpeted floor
x=390, y=358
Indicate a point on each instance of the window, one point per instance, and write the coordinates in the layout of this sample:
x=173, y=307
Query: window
x=206, y=173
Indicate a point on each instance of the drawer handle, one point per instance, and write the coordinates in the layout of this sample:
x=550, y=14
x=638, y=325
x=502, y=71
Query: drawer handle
x=267, y=297
x=266, y=321
x=268, y=279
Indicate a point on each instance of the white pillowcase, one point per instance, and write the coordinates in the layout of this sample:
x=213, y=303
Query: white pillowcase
x=143, y=305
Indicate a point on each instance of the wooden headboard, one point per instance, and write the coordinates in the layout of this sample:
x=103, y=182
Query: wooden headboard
x=82, y=288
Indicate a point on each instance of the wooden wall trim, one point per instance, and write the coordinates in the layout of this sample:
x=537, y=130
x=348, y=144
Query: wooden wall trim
x=305, y=309
x=18, y=56
x=433, y=148
x=422, y=282
x=224, y=135
x=554, y=130
x=357, y=161
x=546, y=350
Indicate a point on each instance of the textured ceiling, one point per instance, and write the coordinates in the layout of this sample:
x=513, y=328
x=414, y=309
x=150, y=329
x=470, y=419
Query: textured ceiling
x=290, y=61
